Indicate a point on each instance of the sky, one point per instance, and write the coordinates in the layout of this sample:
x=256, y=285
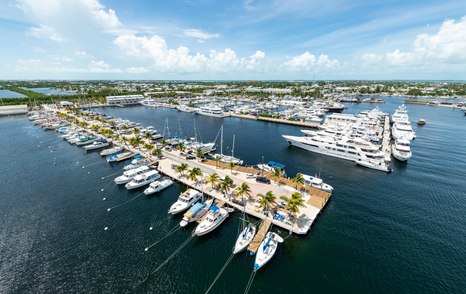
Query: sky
x=233, y=40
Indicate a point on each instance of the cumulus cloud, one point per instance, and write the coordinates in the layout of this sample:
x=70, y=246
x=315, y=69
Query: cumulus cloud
x=40, y=66
x=136, y=70
x=308, y=62
x=446, y=46
x=181, y=59
x=45, y=32
x=198, y=34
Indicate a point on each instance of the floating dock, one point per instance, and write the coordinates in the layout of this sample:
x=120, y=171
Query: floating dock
x=387, y=151
x=263, y=229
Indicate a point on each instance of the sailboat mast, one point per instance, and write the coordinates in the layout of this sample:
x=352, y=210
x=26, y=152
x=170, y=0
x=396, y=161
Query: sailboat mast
x=233, y=148
x=221, y=140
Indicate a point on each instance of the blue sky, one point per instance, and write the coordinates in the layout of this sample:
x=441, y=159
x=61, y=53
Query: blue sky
x=248, y=39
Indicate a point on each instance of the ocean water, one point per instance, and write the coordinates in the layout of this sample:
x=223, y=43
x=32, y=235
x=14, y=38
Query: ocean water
x=50, y=91
x=403, y=232
x=11, y=94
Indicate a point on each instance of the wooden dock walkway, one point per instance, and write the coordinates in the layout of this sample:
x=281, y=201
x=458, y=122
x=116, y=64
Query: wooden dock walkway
x=386, y=139
x=263, y=229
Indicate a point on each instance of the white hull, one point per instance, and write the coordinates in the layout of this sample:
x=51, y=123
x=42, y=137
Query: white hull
x=149, y=179
x=95, y=146
x=164, y=184
x=244, y=238
x=202, y=230
x=185, y=221
x=111, y=151
x=401, y=155
x=270, y=243
x=375, y=165
x=222, y=115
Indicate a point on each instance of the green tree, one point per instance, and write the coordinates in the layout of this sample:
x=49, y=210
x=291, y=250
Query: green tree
x=194, y=174
x=298, y=180
x=243, y=190
x=267, y=200
x=181, y=168
x=293, y=203
x=181, y=147
x=212, y=179
x=157, y=152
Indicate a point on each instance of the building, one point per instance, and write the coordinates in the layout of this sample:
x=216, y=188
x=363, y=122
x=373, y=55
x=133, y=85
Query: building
x=124, y=99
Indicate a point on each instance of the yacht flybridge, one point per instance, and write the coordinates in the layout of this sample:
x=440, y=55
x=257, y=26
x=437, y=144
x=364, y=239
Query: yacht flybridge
x=211, y=110
x=185, y=201
x=215, y=217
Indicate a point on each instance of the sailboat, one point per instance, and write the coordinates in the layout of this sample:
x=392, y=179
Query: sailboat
x=267, y=249
x=246, y=235
x=228, y=158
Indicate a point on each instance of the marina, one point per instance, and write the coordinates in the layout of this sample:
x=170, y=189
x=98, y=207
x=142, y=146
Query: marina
x=224, y=234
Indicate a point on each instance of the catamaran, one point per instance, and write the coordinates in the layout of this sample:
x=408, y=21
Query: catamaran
x=185, y=201
x=197, y=211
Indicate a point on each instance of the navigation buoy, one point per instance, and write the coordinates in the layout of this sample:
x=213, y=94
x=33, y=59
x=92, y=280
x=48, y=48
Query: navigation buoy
x=77, y=162
x=145, y=249
x=103, y=178
x=106, y=228
x=88, y=172
x=150, y=229
x=108, y=209
x=54, y=163
x=83, y=166
x=104, y=199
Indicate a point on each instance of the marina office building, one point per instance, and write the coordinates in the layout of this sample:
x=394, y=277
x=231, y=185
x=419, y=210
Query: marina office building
x=124, y=99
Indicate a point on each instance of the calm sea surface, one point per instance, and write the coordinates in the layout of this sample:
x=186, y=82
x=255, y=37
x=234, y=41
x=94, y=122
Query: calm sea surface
x=403, y=232
x=11, y=94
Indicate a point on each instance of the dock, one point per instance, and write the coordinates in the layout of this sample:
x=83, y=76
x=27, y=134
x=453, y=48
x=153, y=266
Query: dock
x=263, y=229
x=386, y=139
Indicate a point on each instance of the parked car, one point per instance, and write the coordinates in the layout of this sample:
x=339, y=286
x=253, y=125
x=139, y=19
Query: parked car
x=262, y=179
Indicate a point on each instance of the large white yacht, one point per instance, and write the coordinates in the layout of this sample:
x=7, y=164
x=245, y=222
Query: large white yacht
x=211, y=110
x=185, y=201
x=128, y=175
x=403, y=130
x=215, y=217
x=401, y=149
x=354, y=149
x=143, y=179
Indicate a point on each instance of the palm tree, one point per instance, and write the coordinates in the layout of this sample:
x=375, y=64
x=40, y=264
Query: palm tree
x=298, y=179
x=135, y=141
x=224, y=188
x=293, y=203
x=147, y=136
x=136, y=131
x=277, y=172
x=149, y=147
x=165, y=143
x=199, y=152
x=157, y=152
x=217, y=159
x=181, y=168
x=267, y=199
x=181, y=147
x=232, y=165
x=194, y=173
x=212, y=179
x=242, y=190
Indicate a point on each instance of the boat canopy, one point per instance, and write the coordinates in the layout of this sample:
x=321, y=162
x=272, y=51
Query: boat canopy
x=276, y=164
x=214, y=208
x=196, y=207
x=137, y=156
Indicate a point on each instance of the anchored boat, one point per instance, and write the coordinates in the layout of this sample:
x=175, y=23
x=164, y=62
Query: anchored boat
x=267, y=249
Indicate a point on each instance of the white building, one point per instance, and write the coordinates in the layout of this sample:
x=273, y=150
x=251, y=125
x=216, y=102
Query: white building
x=124, y=99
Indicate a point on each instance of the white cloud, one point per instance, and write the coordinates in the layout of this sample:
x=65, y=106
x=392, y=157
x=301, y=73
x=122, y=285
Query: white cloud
x=308, y=62
x=198, y=34
x=45, y=32
x=80, y=53
x=181, y=59
x=57, y=67
x=136, y=70
x=99, y=66
x=445, y=47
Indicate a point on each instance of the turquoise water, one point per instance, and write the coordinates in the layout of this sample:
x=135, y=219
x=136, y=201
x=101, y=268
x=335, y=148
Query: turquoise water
x=403, y=232
x=11, y=94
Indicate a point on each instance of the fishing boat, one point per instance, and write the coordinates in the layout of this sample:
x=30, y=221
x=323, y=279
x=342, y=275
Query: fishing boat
x=197, y=211
x=244, y=238
x=118, y=156
x=267, y=249
x=109, y=151
x=86, y=141
x=215, y=217
x=128, y=175
x=143, y=179
x=158, y=185
x=185, y=201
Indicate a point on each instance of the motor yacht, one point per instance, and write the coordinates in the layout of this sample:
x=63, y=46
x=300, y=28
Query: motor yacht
x=215, y=217
x=317, y=183
x=137, y=161
x=128, y=175
x=118, y=156
x=143, y=179
x=197, y=211
x=185, y=201
x=100, y=143
x=401, y=149
x=211, y=110
x=109, y=151
x=158, y=186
